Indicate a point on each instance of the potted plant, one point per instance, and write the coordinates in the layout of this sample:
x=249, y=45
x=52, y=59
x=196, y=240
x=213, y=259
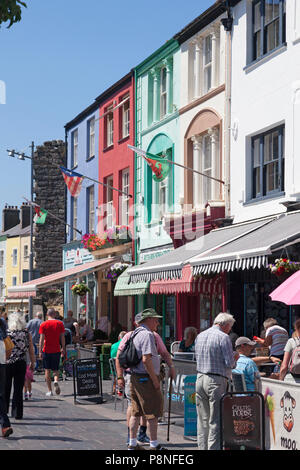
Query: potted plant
x=80, y=289
x=284, y=266
x=116, y=235
x=116, y=269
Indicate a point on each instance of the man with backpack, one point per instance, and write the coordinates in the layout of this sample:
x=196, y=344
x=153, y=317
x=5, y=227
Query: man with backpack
x=124, y=376
x=146, y=396
x=290, y=367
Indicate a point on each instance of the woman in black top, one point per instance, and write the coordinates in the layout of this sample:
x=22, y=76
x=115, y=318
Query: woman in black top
x=16, y=364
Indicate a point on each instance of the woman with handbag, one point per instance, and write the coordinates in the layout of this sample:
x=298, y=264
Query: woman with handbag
x=16, y=364
x=4, y=352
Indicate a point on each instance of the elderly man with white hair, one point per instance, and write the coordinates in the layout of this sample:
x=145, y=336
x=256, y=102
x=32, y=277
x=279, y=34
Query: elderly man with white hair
x=215, y=360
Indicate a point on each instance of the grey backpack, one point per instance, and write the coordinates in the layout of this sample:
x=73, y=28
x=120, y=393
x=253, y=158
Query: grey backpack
x=294, y=365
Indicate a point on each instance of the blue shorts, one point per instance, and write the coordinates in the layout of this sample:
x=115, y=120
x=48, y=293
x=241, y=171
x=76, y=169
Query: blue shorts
x=51, y=361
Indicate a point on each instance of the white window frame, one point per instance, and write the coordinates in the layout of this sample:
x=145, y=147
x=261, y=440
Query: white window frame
x=207, y=64
x=125, y=197
x=15, y=257
x=91, y=213
x=75, y=218
x=75, y=148
x=207, y=186
x=1, y=258
x=126, y=118
x=91, y=137
x=109, y=202
x=1, y=286
x=25, y=252
x=163, y=92
x=109, y=127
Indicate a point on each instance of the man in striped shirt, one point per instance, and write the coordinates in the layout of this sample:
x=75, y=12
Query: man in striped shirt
x=276, y=338
x=215, y=360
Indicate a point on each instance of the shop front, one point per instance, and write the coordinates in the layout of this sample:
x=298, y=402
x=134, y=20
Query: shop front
x=248, y=263
x=84, y=275
x=115, y=311
x=74, y=255
x=192, y=299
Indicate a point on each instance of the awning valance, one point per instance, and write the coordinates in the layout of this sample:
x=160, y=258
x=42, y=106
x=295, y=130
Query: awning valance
x=30, y=288
x=123, y=287
x=185, y=284
x=188, y=284
x=253, y=249
x=168, y=267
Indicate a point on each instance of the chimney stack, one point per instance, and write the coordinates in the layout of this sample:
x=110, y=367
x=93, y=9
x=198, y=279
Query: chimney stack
x=25, y=214
x=10, y=217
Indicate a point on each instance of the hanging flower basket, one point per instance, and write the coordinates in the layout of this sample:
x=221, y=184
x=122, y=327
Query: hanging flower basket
x=80, y=289
x=116, y=235
x=116, y=269
x=284, y=266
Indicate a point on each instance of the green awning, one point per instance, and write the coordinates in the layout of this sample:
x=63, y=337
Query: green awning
x=123, y=287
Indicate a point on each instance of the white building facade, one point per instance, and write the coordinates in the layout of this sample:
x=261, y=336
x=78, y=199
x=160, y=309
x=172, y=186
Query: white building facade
x=265, y=108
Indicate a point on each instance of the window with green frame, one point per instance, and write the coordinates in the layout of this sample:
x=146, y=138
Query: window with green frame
x=158, y=195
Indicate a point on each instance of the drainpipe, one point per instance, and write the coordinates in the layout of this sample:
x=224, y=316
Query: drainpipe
x=227, y=23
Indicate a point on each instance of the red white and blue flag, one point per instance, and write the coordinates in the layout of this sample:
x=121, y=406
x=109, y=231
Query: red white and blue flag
x=73, y=181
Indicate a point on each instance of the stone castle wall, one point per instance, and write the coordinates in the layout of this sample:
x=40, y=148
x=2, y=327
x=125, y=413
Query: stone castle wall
x=50, y=194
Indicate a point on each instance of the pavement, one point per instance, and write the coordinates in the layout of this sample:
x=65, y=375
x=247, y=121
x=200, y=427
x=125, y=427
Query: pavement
x=57, y=423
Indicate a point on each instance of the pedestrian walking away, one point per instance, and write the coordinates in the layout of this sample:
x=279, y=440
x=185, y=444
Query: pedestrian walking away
x=51, y=347
x=215, y=361
x=33, y=326
x=6, y=428
x=16, y=364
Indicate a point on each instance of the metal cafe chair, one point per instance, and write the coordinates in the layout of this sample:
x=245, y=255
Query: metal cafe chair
x=174, y=347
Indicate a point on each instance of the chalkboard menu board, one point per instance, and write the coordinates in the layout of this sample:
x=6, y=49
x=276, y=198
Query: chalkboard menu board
x=242, y=421
x=87, y=379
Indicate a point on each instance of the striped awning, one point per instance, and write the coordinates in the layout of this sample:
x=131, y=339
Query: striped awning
x=253, y=249
x=30, y=288
x=188, y=284
x=184, y=284
x=169, y=266
x=231, y=265
x=123, y=287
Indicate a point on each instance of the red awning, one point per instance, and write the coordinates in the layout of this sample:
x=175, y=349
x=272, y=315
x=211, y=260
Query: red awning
x=29, y=289
x=185, y=285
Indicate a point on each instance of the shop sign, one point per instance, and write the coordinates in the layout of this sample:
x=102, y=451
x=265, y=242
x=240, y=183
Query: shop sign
x=87, y=379
x=183, y=369
x=190, y=411
x=153, y=254
x=282, y=403
x=242, y=421
x=77, y=256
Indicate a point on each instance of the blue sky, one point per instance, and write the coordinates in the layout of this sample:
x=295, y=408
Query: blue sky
x=61, y=56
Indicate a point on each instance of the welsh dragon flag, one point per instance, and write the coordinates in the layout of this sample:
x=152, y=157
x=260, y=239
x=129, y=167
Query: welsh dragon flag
x=40, y=215
x=160, y=167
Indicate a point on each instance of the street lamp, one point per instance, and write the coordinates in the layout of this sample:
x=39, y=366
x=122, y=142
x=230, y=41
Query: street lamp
x=22, y=156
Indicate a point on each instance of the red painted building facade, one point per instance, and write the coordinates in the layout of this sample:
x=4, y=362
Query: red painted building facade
x=115, y=206
x=116, y=163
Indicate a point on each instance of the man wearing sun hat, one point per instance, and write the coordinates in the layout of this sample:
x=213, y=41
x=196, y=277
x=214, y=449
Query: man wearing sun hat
x=124, y=376
x=146, y=396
